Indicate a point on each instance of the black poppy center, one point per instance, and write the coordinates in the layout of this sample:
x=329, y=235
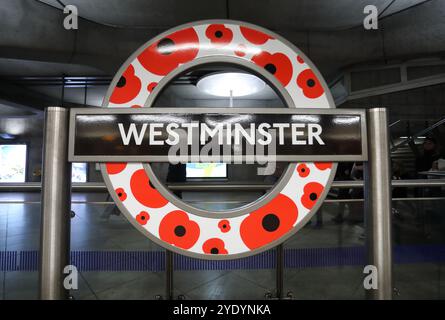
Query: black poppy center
x=271, y=222
x=310, y=83
x=303, y=169
x=142, y=217
x=218, y=34
x=271, y=68
x=121, y=83
x=313, y=196
x=120, y=194
x=165, y=46
x=214, y=251
x=180, y=231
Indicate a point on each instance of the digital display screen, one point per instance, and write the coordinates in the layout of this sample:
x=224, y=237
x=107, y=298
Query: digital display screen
x=13, y=163
x=206, y=170
x=79, y=172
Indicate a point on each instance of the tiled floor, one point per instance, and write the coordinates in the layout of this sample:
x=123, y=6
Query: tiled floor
x=90, y=231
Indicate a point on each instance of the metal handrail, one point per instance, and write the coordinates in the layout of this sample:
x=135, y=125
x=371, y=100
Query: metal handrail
x=328, y=200
x=194, y=186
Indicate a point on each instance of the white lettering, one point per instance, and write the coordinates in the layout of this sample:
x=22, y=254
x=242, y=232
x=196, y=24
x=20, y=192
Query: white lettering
x=207, y=132
x=172, y=133
x=296, y=133
x=190, y=127
x=250, y=138
x=153, y=134
x=281, y=127
x=71, y=20
x=314, y=130
x=132, y=131
x=267, y=137
x=371, y=21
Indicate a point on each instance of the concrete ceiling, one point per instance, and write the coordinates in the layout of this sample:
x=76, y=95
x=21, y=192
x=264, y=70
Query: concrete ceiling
x=296, y=15
x=22, y=67
x=34, y=43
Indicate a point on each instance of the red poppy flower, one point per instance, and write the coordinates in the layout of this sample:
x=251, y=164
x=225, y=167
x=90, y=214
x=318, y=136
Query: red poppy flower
x=151, y=86
x=144, y=192
x=224, y=226
x=254, y=36
x=269, y=222
x=300, y=59
x=166, y=54
x=312, y=192
x=114, y=168
x=219, y=34
x=142, y=217
x=121, y=194
x=127, y=87
x=323, y=165
x=277, y=64
x=241, y=50
x=303, y=170
x=177, y=229
x=310, y=85
x=214, y=246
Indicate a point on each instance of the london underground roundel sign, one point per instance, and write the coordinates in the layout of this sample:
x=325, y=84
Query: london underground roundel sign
x=171, y=222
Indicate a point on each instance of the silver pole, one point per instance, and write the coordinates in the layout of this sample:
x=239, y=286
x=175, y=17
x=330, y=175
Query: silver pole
x=378, y=204
x=56, y=203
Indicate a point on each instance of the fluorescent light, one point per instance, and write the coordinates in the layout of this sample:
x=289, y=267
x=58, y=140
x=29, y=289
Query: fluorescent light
x=405, y=137
x=231, y=84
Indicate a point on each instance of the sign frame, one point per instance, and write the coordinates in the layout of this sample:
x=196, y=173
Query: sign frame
x=72, y=157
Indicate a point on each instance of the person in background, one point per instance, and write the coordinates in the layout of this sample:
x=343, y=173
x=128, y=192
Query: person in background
x=343, y=174
x=356, y=214
x=177, y=173
x=427, y=160
x=430, y=154
x=398, y=173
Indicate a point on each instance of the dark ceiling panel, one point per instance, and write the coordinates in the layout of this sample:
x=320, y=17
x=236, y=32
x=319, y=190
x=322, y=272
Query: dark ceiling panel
x=275, y=14
x=304, y=14
x=149, y=13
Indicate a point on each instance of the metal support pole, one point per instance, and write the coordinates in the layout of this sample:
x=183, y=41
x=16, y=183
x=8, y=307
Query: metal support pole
x=56, y=203
x=169, y=274
x=377, y=178
x=279, y=272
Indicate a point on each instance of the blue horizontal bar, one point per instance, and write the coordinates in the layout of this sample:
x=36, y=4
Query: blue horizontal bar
x=154, y=261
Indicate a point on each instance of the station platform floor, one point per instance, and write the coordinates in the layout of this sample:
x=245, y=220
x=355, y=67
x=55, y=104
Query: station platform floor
x=323, y=261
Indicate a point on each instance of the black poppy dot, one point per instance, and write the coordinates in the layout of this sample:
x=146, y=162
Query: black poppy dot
x=313, y=196
x=120, y=194
x=271, y=68
x=142, y=218
x=165, y=46
x=303, y=169
x=121, y=83
x=214, y=251
x=180, y=231
x=310, y=83
x=270, y=222
x=218, y=34
x=224, y=226
x=151, y=185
